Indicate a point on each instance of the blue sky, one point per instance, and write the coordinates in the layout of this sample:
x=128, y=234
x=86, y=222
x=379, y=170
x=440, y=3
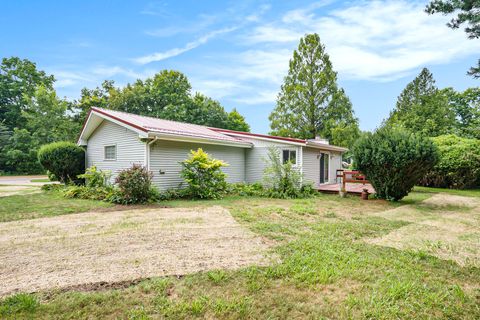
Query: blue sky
x=237, y=51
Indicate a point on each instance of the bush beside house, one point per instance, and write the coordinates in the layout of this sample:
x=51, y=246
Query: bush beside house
x=394, y=160
x=283, y=180
x=64, y=160
x=203, y=175
x=458, y=166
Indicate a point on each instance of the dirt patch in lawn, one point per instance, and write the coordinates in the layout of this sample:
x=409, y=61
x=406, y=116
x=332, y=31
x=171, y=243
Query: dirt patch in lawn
x=446, y=226
x=6, y=191
x=97, y=247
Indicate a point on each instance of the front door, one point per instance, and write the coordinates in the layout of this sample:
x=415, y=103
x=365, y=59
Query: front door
x=324, y=167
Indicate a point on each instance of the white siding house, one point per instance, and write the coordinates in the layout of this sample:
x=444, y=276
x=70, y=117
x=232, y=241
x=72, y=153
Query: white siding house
x=115, y=140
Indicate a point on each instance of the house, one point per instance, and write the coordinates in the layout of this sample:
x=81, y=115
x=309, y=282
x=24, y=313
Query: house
x=115, y=140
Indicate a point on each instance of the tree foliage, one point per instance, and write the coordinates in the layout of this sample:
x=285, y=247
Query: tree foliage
x=468, y=13
x=466, y=106
x=394, y=160
x=19, y=80
x=458, y=166
x=203, y=175
x=31, y=114
x=310, y=103
x=166, y=95
x=422, y=108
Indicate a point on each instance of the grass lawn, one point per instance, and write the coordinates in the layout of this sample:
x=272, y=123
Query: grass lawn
x=325, y=268
x=468, y=192
x=43, y=204
x=40, y=180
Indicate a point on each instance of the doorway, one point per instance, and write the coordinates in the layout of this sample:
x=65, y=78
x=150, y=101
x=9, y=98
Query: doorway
x=324, y=167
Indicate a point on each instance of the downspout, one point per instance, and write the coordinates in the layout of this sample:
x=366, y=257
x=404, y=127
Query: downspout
x=147, y=160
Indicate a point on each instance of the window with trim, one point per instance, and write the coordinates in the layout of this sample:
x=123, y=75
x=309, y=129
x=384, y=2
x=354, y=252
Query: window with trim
x=289, y=155
x=110, y=152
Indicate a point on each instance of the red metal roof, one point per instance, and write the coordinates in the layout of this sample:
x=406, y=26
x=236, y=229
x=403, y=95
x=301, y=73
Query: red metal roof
x=259, y=135
x=162, y=126
x=150, y=124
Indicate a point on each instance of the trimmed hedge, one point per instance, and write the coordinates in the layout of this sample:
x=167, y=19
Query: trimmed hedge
x=394, y=160
x=458, y=166
x=63, y=159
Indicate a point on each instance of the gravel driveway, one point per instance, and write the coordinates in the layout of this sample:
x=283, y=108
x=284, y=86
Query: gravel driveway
x=93, y=247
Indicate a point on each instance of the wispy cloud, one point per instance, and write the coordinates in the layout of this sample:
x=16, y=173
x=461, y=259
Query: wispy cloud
x=159, y=56
x=379, y=40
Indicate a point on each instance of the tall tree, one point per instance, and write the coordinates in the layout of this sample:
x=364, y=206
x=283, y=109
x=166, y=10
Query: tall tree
x=18, y=80
x=235, y=121
x=46, y=119
x=98, y=97
x=421, y=107
x=166, y=95
x=468, y=13
x=310, y=102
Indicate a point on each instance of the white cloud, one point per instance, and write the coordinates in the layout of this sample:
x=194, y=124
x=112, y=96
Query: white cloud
x=159, y=56
x=382, y=40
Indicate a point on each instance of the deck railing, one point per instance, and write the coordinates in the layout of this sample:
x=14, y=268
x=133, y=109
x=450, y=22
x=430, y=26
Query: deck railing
x=350, y=176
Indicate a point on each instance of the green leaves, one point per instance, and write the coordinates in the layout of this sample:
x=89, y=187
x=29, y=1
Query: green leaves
x=310, y=102
x=168, y=96
x=468, y=13
x=422, y=108
x=459, y=163
x=394, y=160
x=203, y=175
x=64, y=159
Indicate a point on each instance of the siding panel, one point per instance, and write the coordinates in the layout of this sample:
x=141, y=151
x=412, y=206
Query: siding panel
x=311, y=165
x=129, y=149
x=167, y=155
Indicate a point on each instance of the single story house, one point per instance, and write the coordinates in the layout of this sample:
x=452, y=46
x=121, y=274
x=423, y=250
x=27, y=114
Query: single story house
x=115, y=140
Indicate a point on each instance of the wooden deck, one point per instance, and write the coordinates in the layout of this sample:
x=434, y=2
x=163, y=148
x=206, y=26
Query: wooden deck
x=351, y=188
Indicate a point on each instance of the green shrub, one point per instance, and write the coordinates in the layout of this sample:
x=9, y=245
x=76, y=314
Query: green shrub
x=95, y=178
x=135, y=185
x=90, y=193
x=245, y=189
x=458, y=166
x=52, y=187
x=394, y=160
x=65, y=160
x=204, y=176
x=283, y=180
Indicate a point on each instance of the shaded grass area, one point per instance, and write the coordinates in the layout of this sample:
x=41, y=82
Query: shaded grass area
x=44, y=204
x=466, y=193
x=324, y=270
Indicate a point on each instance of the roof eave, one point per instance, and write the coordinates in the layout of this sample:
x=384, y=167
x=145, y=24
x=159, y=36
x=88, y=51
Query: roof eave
x=186, y=138
x=325, y=147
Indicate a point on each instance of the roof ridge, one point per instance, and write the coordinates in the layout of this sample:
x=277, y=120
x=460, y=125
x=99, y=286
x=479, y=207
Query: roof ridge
x=155, y=118
x=210, y=129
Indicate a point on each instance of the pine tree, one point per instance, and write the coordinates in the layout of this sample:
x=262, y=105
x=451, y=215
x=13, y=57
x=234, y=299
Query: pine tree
x=310, y=102
x=421, y=107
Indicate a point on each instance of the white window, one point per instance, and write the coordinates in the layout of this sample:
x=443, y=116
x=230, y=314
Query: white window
x=110, y=152
x=289, y=155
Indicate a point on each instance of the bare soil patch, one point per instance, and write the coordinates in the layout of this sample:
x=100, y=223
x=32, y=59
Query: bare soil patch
x=98, y=247
x=446, y=226
x=6, y=191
